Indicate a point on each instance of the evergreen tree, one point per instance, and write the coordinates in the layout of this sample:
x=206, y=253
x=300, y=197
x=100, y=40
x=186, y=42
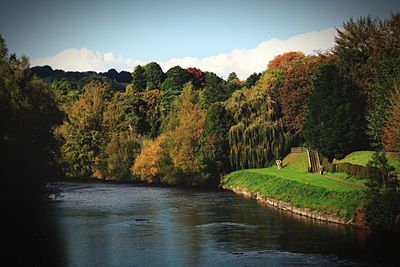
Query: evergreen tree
x=214, y=91
x=334, y=124
x=139, y=79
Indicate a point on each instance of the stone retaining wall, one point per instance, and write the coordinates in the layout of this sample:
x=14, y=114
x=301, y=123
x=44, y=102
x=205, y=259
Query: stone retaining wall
x=289, y=207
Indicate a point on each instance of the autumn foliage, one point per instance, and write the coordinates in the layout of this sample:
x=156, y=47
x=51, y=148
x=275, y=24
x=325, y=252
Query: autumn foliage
x=145, y=166
x=294, y=94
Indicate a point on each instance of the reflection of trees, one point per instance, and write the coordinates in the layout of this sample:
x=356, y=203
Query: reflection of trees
x=193, y=227
x=237, y=224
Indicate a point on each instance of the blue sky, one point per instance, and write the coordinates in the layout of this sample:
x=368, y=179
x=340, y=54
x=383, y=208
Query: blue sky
x=155, y=30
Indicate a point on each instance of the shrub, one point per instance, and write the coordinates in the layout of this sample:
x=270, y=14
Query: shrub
x=357, y=171
x=382, y=209
x=330, y=167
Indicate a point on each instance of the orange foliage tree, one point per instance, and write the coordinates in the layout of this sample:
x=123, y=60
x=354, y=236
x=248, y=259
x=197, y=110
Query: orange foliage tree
x=145, y=166
x=294, y=94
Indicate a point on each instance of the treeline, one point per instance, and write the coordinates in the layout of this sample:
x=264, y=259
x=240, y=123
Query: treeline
x=71, y=83
x=203, y=126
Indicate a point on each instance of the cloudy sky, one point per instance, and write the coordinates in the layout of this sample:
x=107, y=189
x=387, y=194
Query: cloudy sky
x=220, y=36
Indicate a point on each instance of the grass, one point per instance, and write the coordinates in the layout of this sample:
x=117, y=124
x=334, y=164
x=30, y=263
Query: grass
x=362, y=158
x=295, y=185
x=296, y=170
x=346, y=177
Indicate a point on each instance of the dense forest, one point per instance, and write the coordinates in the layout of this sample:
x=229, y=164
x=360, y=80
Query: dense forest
x=191, y=127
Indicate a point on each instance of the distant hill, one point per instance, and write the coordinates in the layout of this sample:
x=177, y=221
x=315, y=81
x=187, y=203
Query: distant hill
x=48, y=74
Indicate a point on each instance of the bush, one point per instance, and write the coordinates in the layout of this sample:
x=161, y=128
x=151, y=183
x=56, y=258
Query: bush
x=330, y=167
x=382, y=209
x=357, y=171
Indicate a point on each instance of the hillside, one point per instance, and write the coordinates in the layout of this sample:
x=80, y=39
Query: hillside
x=363, y=157
x=293, y=184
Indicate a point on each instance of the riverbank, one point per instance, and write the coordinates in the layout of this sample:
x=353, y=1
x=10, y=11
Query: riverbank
x=295, y=190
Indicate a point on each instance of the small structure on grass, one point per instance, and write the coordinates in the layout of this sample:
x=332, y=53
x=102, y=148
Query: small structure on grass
x=279, y=164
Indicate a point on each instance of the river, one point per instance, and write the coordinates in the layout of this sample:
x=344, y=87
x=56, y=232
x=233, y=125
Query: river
x=104, y=224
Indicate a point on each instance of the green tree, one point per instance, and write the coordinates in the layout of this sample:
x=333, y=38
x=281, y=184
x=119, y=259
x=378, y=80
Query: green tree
x=214, y=91
x=154, y=75
x=391, y=131
x=257, y=138
x=383, y=194
x=28, y=114
x=215, y=148
x=171, y=88
x=83, y=132
x=139, y=79
x=388, y=76
x=252, y=80
x=180, y=162
x=362, y=45
x=334, y=123
x=232, y=77
x=121, y=152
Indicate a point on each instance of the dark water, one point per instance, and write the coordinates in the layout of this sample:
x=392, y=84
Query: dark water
x=125, y=225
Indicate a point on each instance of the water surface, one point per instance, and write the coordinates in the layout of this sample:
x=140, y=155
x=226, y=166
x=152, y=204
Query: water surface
x=126, y=225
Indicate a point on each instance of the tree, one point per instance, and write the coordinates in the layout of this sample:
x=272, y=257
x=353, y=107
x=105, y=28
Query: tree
x=153, y=99
x=252, y=80
x=146, y=163
x=83, y=132
x=176, y=77
x=383, y=194
x=154, y=75
x=362, y=45
x=257, y=138
x=294, y=94
x=214, y=91
x=215, y=149
x=28, y=114
x=388, y=76
x=334, y=123
x=139, y=79
x=232, y=77
x=127, y=112
x=28, y=155
x=121, y=151
x=391, y=131
x=285, y=61
x=233, y=83
x=197, y=77
x=180, y=162
x=273, y=79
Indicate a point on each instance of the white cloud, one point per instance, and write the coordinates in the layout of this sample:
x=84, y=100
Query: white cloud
x=84, y=59
x=243, y=62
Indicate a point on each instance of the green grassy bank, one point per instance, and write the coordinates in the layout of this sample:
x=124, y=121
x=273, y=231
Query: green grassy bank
x=295, y=185
x=362, y=157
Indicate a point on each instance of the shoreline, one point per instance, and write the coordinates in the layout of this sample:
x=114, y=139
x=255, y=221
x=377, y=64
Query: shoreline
x=356, y=221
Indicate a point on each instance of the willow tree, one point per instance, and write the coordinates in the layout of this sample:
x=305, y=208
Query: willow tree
x=257, y=138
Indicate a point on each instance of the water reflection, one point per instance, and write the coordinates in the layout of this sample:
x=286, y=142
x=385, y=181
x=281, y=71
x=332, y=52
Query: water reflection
x=121, y=225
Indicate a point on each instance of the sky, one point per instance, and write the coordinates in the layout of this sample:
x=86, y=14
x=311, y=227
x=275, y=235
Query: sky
x=220, y=36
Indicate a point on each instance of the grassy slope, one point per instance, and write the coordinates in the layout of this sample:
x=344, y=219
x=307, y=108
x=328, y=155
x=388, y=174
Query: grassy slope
x=295, y=185
x=362, y=158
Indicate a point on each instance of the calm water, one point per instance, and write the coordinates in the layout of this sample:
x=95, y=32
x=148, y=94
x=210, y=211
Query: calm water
x=125, y=225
